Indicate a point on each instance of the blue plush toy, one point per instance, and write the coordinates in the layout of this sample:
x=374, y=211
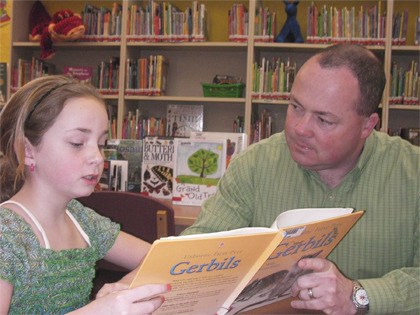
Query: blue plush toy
x=291, y=30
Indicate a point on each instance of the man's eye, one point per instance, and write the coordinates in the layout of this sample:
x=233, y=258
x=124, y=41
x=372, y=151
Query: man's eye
x=77, y=145
x=325, y=122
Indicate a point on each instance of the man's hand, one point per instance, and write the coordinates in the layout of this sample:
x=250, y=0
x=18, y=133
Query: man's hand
x=331, y=290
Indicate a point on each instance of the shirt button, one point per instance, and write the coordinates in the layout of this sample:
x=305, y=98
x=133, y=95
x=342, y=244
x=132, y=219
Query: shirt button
x=331, y=197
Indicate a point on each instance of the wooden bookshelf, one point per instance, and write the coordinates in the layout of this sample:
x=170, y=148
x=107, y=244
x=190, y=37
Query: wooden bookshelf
x=191, y=63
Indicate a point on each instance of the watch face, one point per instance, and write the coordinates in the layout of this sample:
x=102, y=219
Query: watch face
x=361, y=297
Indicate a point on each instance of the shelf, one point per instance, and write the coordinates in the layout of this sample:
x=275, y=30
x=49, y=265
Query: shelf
x=405, y=107
x=186, y=99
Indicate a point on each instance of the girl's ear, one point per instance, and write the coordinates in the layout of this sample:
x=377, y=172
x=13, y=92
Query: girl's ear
x=29, y=153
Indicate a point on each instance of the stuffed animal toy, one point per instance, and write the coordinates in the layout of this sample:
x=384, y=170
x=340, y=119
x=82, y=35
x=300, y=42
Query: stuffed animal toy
x=291, y=30
x=63, y=26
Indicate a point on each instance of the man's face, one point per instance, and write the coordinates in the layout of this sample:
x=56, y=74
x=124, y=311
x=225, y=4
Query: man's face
x=323, y=129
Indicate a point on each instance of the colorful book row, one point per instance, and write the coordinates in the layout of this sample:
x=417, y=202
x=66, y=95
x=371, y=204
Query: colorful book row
x=163, y=21
x=146, y=76
x=272, y=78
x=405, y=84
x=365, y=25
x=102, y=24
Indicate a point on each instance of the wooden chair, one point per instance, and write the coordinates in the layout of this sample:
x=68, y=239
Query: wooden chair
x=138, y=215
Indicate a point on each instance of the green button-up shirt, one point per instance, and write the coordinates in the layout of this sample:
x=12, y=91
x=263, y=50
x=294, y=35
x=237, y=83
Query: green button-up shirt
x=382, y=249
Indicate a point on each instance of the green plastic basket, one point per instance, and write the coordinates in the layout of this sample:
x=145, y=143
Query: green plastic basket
x=223, y=90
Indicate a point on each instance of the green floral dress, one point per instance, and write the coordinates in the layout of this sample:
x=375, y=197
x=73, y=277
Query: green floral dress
x=46, y=281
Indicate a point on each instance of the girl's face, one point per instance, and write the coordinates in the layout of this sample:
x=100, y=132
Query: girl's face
x=69, y=160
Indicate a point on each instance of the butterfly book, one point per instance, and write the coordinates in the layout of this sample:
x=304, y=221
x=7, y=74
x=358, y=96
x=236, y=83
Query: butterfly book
x=131, y=151
x=239, y=270
x=198, y=166
x=182, y=119
x=235, y=142
x=157, y=167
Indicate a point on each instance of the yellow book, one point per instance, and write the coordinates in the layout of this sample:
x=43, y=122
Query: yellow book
x=232, y=271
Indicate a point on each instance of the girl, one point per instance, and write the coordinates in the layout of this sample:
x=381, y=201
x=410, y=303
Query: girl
x=51, y=134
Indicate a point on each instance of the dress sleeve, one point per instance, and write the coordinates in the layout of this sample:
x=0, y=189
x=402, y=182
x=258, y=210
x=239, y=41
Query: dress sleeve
x=101, y=230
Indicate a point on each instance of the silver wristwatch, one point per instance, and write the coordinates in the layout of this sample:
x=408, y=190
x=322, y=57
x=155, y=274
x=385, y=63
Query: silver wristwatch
x=360, y=298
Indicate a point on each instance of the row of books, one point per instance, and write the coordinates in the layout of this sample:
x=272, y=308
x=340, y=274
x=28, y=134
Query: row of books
x=146, y=76
x=138, y=126
x=405, y=84
x=273, y=78
x=163, y=21
x=27, y=70
x=185, y=170
x=102, y=23
x=238, y=20
x=365, y=25
x=262, y=126
x=264, y=24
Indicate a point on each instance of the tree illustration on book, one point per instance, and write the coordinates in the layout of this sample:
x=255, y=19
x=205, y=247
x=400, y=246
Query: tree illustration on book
x=203, y=162
x=199, y=164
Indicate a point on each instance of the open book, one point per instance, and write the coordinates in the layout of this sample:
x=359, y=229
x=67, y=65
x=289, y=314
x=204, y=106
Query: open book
x=241, y=269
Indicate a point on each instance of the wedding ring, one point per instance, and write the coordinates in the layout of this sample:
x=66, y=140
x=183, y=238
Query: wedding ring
x=310, y=293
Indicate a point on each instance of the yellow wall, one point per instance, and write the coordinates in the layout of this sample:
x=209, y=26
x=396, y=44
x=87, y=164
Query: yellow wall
x=5, y=29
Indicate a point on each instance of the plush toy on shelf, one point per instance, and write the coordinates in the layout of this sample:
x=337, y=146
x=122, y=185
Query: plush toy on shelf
x=64, y=25
x=291, y=30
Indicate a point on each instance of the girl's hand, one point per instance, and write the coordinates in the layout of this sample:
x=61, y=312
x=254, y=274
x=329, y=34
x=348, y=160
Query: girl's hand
x=121, y=300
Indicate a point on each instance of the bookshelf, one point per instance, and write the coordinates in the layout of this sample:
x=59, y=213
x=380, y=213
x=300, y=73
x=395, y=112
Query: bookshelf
x=191, y=63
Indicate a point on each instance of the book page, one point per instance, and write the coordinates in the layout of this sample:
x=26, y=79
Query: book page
x=274, y=279
x=306, y=215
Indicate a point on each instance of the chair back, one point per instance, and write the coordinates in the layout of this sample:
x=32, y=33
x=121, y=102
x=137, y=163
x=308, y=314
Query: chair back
x=142, y=216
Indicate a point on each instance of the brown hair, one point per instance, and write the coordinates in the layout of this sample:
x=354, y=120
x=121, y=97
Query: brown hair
x=365, y=66
x=29, y=113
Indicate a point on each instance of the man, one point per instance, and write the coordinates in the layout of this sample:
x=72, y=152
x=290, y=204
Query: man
x=330, y=156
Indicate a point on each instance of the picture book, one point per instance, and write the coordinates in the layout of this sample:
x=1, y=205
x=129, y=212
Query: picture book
x=130, y=150
x=114, y=175
x=182, y=119
x=157, y=167
x=198, y=166
x=235, y=142
x=82, y=73
x=232, y=271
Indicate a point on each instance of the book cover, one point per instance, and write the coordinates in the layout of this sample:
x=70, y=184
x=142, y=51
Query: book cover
x=130, y=150
x=82, y=73
x=182, y=119
x=198, y=166
x=235, y=142
x=3, y=83
x=207, y=272
x=114, y=175
x=157, y=167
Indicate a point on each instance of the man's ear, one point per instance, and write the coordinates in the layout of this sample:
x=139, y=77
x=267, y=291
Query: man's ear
x=370, y=124
x=29, y=153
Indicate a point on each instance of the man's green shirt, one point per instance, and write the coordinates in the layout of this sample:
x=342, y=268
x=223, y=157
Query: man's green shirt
x=382, y=249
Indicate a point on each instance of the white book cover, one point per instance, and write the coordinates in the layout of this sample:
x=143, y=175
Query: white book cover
x=114, y=176
x=183, y=119
x=157, y=167
x=235, y=142
x=199, y=165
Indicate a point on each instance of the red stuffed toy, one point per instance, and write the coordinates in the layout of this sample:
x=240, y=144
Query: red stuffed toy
x=63, y=26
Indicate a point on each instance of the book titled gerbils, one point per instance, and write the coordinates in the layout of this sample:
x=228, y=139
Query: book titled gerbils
x=198, y=166
x=157, y=167
x=182, y=119
x=241, y=269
